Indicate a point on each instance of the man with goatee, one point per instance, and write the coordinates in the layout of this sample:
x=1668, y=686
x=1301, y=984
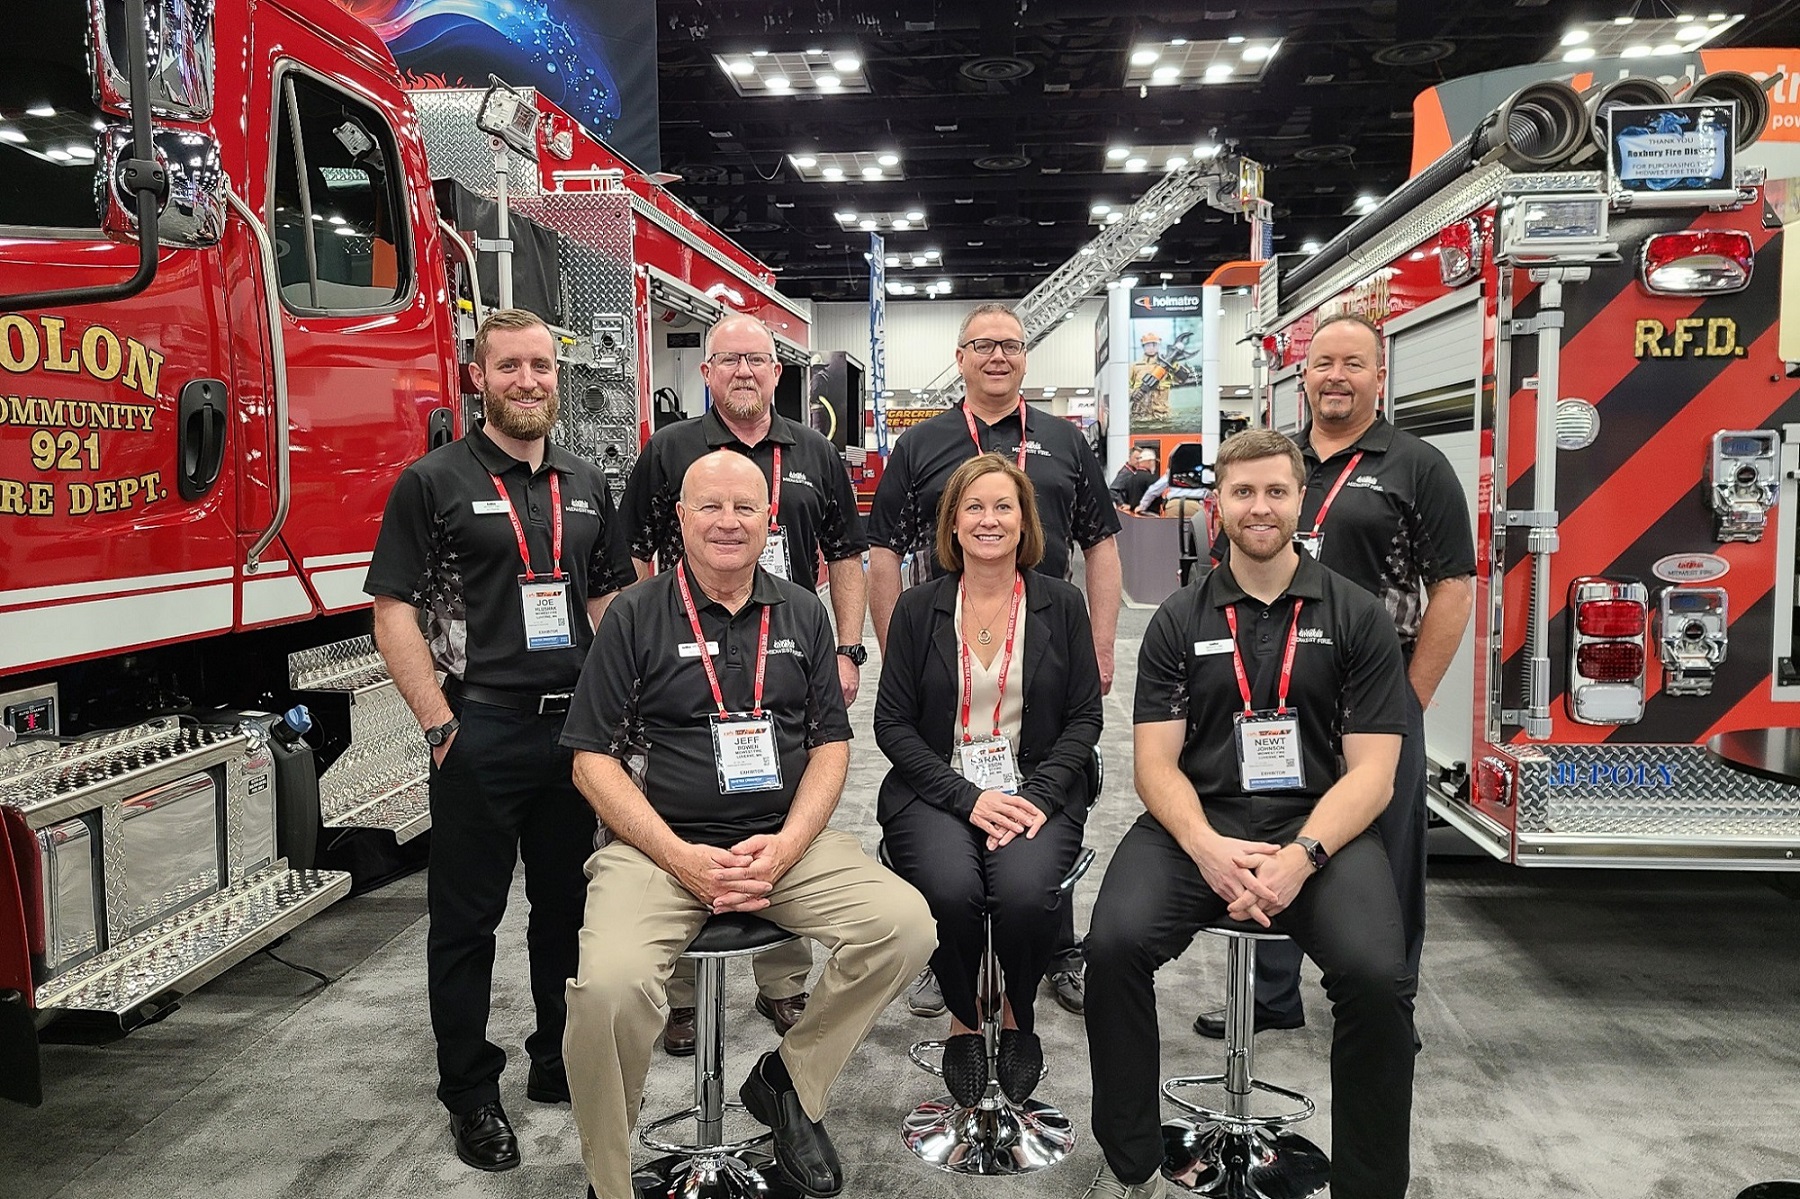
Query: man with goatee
x=494, y=563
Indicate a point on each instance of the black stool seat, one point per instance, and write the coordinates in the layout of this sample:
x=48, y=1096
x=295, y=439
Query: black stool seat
x=1224, y=926
x=734, y=933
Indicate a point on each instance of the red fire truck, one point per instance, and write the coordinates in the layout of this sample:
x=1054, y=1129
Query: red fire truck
x=198, y=432
x=1605, y=351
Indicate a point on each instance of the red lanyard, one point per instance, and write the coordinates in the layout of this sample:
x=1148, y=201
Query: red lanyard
x=1287, y=661
x=968, y=679
x=712, y=676
x=556, y=570
x=1319, y=520
x=981, y=449
x=775, y=489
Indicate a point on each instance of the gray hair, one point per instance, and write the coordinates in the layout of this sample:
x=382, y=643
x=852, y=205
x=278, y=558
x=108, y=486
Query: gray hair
x=992, y=308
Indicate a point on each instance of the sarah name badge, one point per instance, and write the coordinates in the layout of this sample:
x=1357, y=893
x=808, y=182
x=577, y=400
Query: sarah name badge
x=988, y=764
x=1312, y=543
x=546, y=614
x=1268, y=748
x=775, y=554
x=744, y=752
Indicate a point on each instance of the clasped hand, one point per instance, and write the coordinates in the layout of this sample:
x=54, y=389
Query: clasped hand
x=1254, y=878
x=1003, y=817
x=738, y=879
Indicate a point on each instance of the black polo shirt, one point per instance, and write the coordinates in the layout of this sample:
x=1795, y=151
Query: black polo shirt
x=1128, y=486
x=818, y=505
x=447, y=547
x=1073, y=502
x=1399, y=525
x=1348, y=675
x=641, y=694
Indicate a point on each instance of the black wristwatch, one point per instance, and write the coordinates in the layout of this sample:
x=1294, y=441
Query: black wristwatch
x=436, y=737
x=856, y=653
x=1315, y=853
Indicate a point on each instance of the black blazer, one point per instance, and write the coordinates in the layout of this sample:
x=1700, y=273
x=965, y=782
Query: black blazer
x=917, y=705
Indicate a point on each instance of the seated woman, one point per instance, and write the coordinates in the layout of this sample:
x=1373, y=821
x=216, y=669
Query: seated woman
x=989, y=708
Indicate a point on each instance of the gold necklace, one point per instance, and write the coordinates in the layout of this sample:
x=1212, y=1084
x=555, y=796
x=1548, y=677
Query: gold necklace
x=983, y=636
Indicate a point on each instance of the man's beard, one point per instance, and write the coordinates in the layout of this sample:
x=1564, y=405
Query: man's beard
x=742, y=408
x=521, y=424
x=1279, y=544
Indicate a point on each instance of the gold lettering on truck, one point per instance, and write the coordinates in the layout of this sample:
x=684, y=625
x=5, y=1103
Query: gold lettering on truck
x=100, y=353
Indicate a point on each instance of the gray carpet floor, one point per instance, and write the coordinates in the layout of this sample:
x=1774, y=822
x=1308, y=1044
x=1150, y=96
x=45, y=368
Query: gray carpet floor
x=1602, y=1035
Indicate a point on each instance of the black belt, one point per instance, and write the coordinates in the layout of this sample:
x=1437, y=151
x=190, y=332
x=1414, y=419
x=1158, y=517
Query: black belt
x=518, y=701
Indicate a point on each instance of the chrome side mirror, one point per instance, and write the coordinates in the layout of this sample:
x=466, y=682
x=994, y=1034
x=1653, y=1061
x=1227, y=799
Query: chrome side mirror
x=181, y=56
x=193, y=214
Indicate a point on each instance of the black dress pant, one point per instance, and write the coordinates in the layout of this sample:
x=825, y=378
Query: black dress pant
x=1150, y=907
x=505, y=791
x=948, y=860
x=1403, y=825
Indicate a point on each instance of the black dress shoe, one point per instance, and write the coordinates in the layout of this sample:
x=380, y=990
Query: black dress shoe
x=678, y=1033
x=484, y=1138
x=547, y=1085
x=1020, y=1063
x=802, y=1149
x=966, y=1068
x=1212, y=1024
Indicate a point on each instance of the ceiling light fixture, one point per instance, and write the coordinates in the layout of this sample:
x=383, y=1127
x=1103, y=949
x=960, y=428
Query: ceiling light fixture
x=889, y=159
x=1145, y=56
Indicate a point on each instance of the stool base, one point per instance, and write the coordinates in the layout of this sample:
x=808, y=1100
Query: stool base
x=994, y=1137
x=714, y=1176
x=1249, y=1163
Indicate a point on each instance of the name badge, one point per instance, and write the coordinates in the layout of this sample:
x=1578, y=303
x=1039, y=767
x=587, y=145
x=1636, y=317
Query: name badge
x=487, y=507
x=1205, y=648
x=744, y=752
x=1312, y=543
x=691, y=649
x=1268, y=749
x=546, y=604
x=775, y=554
x=988, y=763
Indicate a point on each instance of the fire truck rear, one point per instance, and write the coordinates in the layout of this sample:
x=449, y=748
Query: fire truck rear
x=199, y=428
x=1606, y=352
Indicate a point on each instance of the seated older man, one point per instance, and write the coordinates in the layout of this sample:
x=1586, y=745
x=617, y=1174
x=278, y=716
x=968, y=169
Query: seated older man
x=712, y=740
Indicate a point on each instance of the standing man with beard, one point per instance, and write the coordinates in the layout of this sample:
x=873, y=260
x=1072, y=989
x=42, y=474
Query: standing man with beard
x=812, y=514
x=501, y=543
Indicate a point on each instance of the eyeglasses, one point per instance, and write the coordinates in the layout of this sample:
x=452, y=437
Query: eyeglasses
x=981, y=347
x=729, y=362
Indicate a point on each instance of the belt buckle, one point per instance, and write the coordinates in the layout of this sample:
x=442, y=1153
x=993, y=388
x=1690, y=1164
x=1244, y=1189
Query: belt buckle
x=545, y=702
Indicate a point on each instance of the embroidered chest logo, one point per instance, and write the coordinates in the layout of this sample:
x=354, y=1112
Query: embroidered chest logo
x=581, y=505
x=1313, y=637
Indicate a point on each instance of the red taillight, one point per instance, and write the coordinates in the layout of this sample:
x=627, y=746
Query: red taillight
x=1697, y=261
x=1493, y=782
x=1610, y=661
x=1610, y=618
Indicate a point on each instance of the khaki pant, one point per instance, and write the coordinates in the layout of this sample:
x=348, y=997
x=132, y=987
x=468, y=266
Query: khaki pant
x=780, y=974
x=877, y=928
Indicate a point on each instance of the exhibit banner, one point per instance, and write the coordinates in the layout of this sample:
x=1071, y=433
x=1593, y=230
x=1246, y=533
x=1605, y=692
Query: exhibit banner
x=1165, y=356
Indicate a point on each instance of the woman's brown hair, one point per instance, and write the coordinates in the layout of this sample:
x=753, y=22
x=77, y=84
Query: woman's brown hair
x=1031, y=532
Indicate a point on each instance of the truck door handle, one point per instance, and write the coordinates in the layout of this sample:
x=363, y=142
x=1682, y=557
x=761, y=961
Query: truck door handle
x=438, y=429
x=201, y=420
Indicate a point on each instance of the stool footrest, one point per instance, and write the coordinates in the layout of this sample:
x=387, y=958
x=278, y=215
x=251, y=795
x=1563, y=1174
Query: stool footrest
x=1171, y=1086
x=649, y=1141
x=934, y=1048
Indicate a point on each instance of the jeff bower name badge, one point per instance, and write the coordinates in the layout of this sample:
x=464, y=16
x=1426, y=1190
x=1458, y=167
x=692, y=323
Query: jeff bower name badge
x=1268, y=748
x=988, y=763
x=775, y=554
x=547, y=624
x=744, y=752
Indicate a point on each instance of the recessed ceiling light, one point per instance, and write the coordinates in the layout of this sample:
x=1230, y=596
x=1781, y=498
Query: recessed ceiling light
x=933, y=253
x=828, y=82
x=903, y=223
x=919, y=260
x=1100, y=209
x=777, y=83
x=57, y=155
x=833, y=172
x=871, y=172
x=806, y=161
x=1575, y=37
x=1667, y=48
x=1258, y=53
x=1691, y=33
x=1309, y=247
x=40, y=110
x=1579, y=54
x=1165, y=74
x=893, y=260
x=915, y=214
x=1635, y=52
x=12, y=135
x=815, y=51
x=740, y=66
x=1219, y=70
x=866, y=224
x=1175, y=163
x=1623, y=20
x=1135, y=164
x=890, y=159
x=845, y=217
x=847, y=63
x=1144, y=57
x=1117, y=153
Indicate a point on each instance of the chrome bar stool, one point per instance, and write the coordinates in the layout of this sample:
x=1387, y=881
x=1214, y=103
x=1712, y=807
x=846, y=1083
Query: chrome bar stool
x=712, y=1167
x=1231, y=1152
x=996, y=1136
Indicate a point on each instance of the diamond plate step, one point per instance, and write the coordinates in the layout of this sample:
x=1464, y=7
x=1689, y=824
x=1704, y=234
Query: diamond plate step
x=379, y=781
x=406, y=812
x=135, y=979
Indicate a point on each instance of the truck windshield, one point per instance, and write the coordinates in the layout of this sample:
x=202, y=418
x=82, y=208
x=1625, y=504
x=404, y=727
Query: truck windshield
x=48, y=119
